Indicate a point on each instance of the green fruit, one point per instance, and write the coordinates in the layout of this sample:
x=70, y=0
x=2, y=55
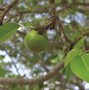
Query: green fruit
x=35, y=42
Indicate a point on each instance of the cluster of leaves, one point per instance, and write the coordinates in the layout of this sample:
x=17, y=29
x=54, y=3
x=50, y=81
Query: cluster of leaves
x=35, y=64
x=79, y=61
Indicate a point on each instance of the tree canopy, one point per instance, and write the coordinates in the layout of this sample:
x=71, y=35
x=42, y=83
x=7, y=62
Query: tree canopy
x=64, y=64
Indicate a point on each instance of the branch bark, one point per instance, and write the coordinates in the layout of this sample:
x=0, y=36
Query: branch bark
x=41, y=79
x=6, y=10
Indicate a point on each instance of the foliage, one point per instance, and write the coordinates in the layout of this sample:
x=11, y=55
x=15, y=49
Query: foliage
x=65, y=23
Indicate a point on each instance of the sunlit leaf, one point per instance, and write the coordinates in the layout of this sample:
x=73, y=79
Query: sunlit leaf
x=79, y=68
x=80, y=43
x=85, y=58
x=74, y=52
x=7, y=30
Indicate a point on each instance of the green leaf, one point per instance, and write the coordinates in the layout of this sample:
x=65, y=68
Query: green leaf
x=85, y=58
x=80, y=43
x=68, y=72
x=79, y=68
x=74, y=52
x=7, y=30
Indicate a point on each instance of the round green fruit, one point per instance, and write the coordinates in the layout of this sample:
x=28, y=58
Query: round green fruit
x=35, y=42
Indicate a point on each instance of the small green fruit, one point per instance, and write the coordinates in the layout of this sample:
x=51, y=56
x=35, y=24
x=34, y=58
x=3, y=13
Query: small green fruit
x=35, y=42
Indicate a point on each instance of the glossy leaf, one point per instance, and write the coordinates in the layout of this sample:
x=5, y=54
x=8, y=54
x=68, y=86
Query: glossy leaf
x=85, y=58
x=7, y=30
x=80, y=43
x=79, y=68
x=74, y=52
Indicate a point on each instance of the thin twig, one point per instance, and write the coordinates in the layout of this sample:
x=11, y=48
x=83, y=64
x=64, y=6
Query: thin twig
x=52, y=21
x=6, y=11
x=62, y=30
x=13, y=63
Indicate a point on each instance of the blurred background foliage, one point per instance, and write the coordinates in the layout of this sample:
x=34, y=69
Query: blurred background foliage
x=16, y=61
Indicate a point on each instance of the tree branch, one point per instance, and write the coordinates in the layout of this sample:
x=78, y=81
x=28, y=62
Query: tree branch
x=6, y=10
x=62, y=30
x=36, y=10
x=52, y=22
x=41, y=79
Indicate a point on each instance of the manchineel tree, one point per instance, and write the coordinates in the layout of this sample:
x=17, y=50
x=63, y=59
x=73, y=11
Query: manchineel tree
x=44, y=44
